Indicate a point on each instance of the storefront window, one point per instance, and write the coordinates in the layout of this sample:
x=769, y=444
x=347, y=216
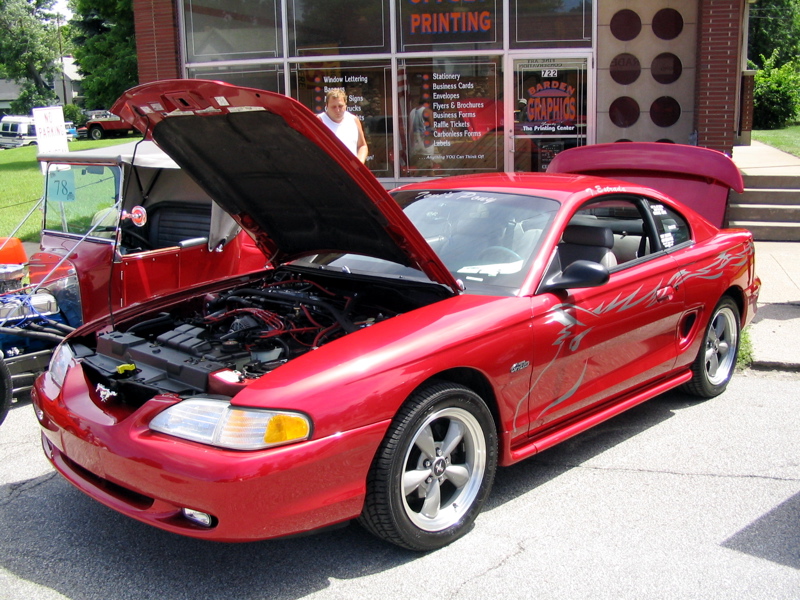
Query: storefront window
x=368, y=86
x=428, y=25
x=551, y=110
x=425, y=77
x=626, y=25
x=262, y=77
x=667, y=24
x=666, y=68
x=224, y=30
x=548, y=24
x=327, y=27
x=452, y=117
x=665, y=111
x=625, y=68
x=624, y=112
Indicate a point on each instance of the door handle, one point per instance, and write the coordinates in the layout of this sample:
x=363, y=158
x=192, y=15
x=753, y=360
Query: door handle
x=665, y=294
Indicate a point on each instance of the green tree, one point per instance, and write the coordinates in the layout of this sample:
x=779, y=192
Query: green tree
x=774, y=26
x=105, y=49
x=28, y=50
x=31, y=97
x=773, y=48
x=74, y=114
x=775, y=95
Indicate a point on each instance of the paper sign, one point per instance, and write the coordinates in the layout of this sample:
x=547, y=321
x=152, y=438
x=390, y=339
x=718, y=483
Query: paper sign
x=51, y=134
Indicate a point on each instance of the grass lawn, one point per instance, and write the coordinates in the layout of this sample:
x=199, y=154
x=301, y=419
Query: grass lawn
x=787, y=139
x=23, y=183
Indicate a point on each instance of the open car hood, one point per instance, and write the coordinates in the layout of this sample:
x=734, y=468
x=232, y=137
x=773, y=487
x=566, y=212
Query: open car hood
x=279, y=171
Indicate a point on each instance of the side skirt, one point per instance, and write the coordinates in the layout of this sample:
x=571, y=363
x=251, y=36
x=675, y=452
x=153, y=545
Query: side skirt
x=552, y=437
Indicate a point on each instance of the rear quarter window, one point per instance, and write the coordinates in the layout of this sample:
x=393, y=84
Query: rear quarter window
x=671, y=227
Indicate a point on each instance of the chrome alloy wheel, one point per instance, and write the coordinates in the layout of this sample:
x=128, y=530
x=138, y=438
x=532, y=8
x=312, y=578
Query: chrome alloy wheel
x=444, y=469
x=720, y=347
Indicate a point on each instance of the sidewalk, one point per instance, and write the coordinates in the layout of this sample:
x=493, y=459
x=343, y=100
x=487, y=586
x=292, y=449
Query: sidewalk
x=775, y=331
x=760, y=159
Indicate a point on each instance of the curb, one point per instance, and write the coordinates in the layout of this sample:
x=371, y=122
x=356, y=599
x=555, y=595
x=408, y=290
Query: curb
x=774, y=366
x=773, y=336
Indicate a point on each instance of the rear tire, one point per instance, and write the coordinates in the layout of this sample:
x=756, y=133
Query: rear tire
x=5, y=390
x=716, y=361
x=434, y=469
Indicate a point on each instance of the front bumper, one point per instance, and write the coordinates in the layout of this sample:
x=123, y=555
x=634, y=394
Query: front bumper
x=250, y=495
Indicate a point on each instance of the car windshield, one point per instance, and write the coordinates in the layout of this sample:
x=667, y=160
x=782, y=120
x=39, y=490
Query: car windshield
x=485, y=239
x=81, y=199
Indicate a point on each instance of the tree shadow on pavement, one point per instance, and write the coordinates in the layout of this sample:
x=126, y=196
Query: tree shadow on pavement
x=772, y=537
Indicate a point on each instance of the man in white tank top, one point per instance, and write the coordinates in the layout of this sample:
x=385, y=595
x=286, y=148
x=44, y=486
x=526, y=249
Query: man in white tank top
x=345, y=125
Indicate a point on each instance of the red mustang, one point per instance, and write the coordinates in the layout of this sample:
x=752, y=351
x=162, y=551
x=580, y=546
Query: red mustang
x=400, y=347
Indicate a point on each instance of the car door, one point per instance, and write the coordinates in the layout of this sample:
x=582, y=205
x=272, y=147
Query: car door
x=144, y=275
x=596, y=343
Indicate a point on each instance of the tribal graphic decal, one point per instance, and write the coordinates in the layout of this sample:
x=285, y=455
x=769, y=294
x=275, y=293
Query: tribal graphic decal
x=715, y=270
x=577, y=321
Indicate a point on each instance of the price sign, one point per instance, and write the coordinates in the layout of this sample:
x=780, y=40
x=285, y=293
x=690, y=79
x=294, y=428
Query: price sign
x=61, y=185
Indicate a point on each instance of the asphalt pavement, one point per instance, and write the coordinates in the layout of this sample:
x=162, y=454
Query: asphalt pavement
x=775, y=331
x=676, y=499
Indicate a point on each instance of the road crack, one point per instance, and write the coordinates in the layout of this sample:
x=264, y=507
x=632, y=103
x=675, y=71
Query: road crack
x=667, y=472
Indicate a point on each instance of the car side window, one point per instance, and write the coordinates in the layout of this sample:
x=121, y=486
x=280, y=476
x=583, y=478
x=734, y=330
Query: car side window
x=624, y=217
x=672, y=228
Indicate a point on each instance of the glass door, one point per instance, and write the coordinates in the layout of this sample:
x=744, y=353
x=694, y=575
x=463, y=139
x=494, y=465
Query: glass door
x=549, y=103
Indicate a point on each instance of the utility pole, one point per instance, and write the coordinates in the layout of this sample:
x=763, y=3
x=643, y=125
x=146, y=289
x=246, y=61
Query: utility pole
x=61, y=57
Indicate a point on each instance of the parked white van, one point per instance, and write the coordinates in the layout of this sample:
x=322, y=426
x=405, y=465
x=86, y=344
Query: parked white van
x=17, y=131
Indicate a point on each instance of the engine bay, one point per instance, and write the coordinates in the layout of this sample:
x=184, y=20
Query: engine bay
x=221, y=342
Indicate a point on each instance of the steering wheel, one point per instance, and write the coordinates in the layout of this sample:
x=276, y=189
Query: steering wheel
x=130, y=233
x=499, y=254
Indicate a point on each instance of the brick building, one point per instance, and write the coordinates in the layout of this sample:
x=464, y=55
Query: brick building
x=502, y=84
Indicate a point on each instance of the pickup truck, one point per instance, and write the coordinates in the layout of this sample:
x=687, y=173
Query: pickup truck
x=105, y=125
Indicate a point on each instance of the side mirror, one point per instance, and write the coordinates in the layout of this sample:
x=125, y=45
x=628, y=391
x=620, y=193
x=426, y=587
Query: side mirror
x=137, y=216
x=580, y=274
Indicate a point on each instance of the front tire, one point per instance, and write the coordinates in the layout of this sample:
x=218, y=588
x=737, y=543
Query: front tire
x=716, y=361
x=96, y=132
x=434, y=469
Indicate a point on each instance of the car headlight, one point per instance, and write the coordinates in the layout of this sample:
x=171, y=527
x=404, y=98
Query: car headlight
x=217, y=423
x=60, y=363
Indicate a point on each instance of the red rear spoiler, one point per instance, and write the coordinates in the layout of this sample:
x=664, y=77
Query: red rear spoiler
x=699, y=177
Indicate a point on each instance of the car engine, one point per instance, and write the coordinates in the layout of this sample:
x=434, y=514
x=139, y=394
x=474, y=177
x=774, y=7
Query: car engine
x=219, y=343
